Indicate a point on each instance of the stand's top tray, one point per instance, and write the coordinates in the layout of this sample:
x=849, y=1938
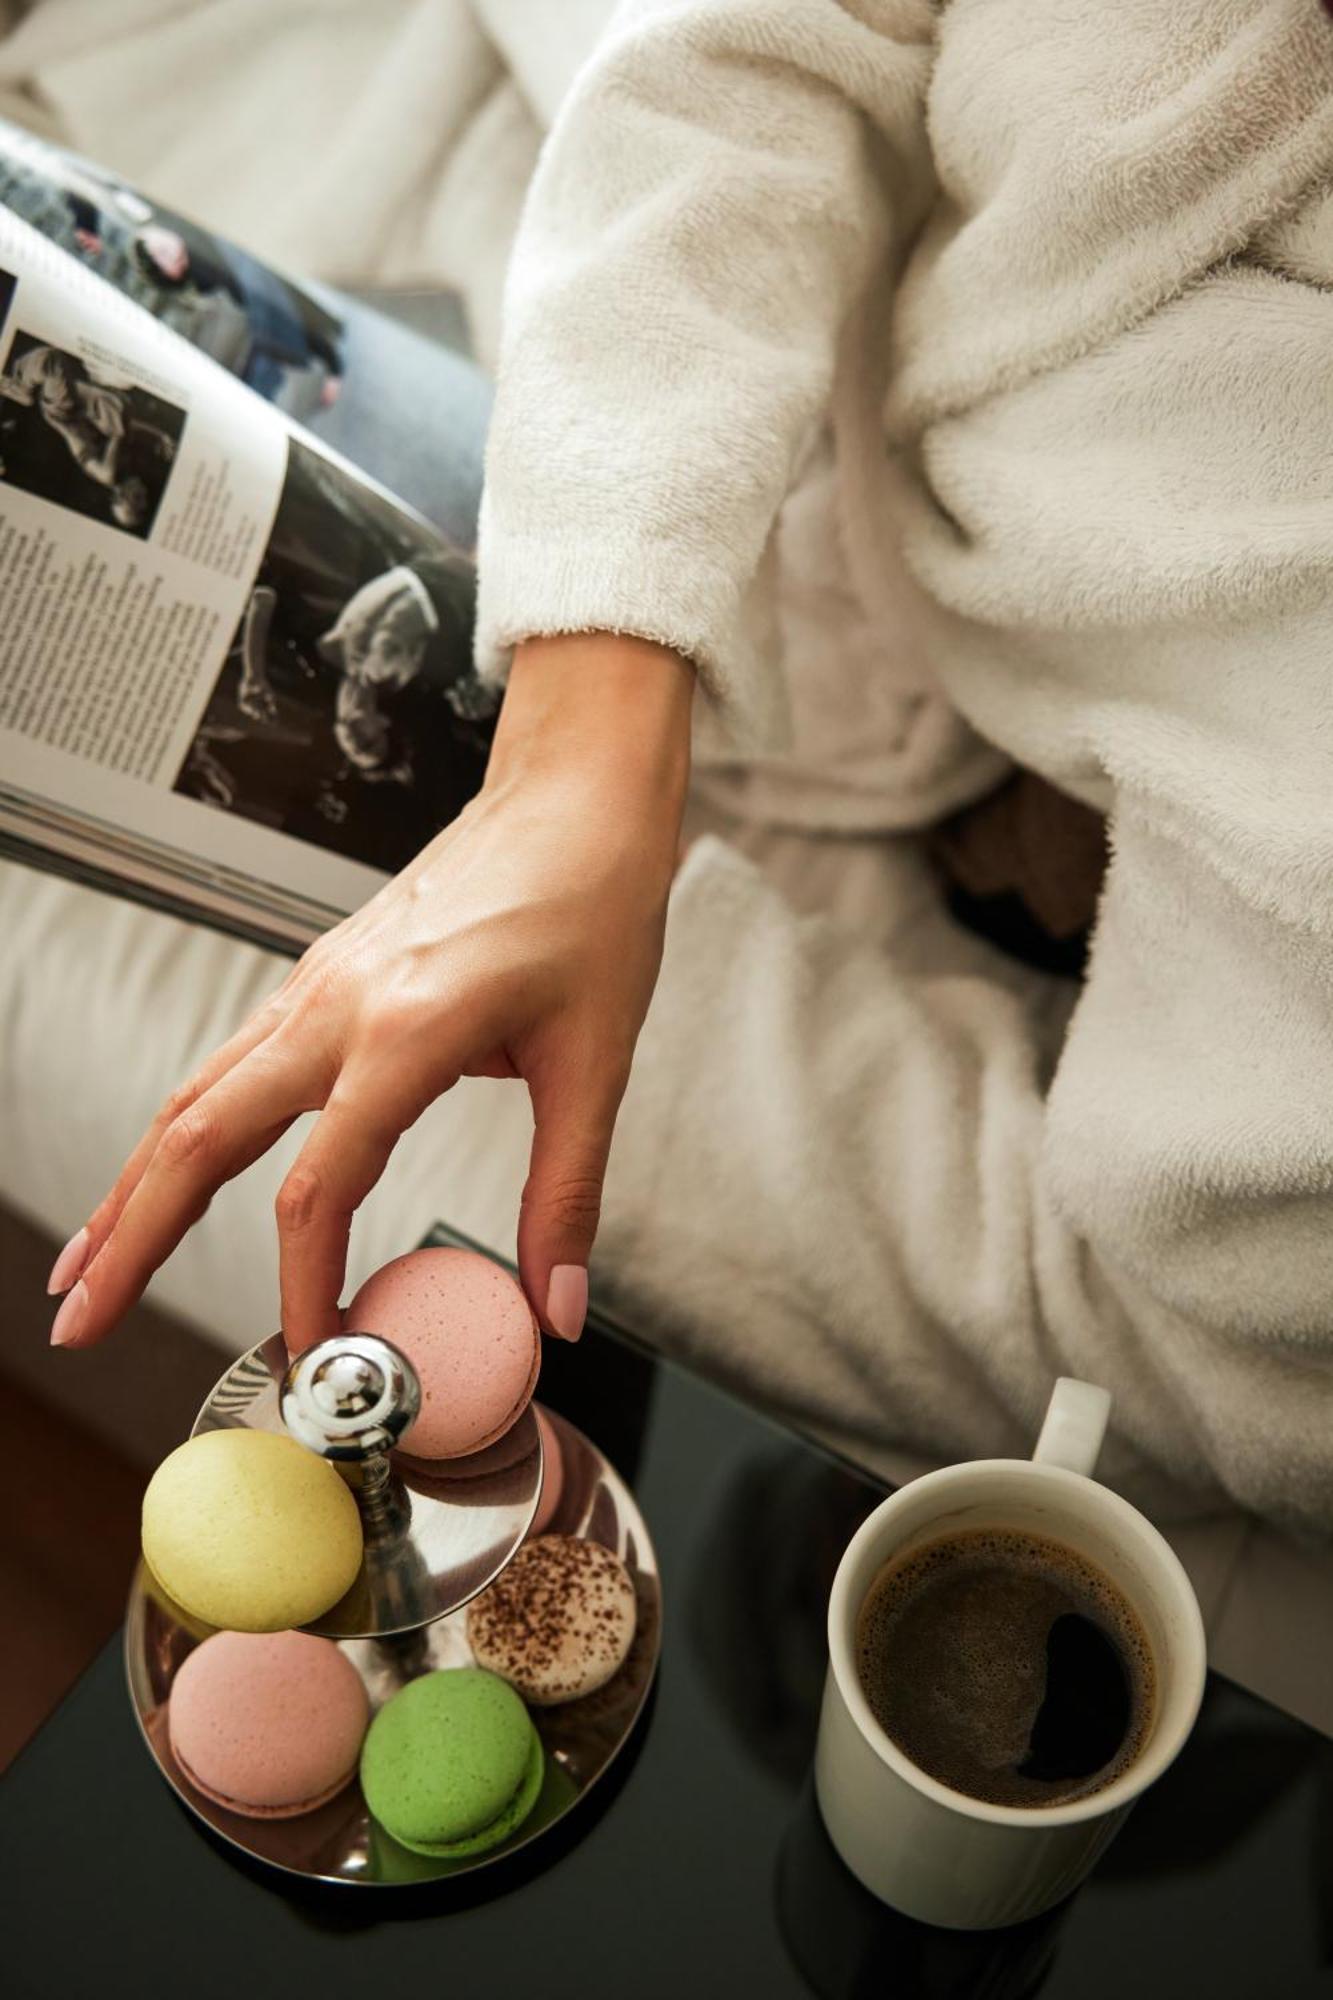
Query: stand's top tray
x=440, y=1531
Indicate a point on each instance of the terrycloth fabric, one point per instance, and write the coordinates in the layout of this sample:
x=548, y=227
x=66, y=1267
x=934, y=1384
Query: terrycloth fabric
x=1084, y=265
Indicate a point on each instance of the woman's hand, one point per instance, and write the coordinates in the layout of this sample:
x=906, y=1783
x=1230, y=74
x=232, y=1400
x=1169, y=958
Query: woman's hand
x=523, y=941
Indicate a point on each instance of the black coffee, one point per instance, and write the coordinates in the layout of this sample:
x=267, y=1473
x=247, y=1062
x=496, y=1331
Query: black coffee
x=1006, y=1666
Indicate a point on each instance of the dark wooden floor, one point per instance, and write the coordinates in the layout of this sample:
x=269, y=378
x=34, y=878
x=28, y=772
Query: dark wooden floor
x=83, y=1433
x=67, y=1546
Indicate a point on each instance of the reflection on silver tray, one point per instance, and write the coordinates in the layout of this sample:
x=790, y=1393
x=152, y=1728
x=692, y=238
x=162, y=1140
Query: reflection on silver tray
x=449, y=1526
x=340, y=1842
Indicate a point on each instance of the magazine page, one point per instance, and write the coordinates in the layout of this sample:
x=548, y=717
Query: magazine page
x=259, y=324
x=214, y=635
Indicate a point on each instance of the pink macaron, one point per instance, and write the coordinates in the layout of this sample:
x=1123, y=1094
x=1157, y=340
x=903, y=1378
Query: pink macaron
x=268, y=1724
x=468, y=1330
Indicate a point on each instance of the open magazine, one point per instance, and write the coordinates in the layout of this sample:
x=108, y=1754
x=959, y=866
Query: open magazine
x=235, y=673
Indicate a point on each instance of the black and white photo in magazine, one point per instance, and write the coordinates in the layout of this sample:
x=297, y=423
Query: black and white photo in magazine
x=348, y=712
x=259, y=324
x=72, y=434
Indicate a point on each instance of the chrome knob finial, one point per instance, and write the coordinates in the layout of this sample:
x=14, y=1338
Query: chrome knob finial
x=350, y=1397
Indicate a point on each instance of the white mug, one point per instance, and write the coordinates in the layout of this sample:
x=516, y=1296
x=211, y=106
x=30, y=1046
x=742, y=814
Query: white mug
x=934, y=1852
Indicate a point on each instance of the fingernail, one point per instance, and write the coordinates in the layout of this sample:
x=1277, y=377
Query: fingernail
x=68, y=1264
x=69, y=1319
x=567, y=1300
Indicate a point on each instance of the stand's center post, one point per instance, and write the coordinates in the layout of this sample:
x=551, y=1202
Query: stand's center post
x=350, y=1399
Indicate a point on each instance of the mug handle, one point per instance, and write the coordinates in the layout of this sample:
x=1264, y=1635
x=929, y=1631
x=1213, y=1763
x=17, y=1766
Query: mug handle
x=1074, y=1426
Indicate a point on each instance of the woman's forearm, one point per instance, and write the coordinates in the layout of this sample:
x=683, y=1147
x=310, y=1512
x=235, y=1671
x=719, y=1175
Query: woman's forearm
x=604, y=703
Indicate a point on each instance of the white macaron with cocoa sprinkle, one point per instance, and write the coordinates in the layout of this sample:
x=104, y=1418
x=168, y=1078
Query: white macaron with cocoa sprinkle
x=558, y=1622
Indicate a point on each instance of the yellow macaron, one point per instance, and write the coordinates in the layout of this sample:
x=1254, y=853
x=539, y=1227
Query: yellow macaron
x=251, y=1531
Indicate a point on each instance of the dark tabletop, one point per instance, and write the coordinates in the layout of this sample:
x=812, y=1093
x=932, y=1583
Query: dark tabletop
x=700, y=1867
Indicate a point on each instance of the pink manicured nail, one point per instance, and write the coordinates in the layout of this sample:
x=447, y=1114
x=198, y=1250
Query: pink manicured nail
x=567, y=1300
x=69, y=1264
x=69, y=1319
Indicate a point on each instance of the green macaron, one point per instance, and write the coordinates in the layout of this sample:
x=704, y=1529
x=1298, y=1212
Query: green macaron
x=452, y=1764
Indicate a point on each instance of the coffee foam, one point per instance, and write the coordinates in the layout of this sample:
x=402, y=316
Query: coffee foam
x=972, y=1686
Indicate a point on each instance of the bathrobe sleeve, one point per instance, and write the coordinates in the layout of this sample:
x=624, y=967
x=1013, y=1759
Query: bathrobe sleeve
x=712, y=199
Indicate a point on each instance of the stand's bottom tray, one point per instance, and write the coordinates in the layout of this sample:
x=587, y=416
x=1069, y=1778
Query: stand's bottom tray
x=340, y=1842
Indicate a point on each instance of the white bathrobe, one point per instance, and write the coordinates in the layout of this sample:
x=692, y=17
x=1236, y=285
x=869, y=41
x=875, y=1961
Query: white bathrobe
x=953, y=385
x=1060, y=283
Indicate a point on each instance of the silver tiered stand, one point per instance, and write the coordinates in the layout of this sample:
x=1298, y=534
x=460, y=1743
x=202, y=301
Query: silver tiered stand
x=435, y=1534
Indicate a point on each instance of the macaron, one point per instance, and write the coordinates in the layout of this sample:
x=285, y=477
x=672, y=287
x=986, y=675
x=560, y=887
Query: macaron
x=468, y=1330
x=390, y=1861
x=452, y=1764
x=553, y=1473
x=558, y=1621
x=268, y=1724
x=249, y=1530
